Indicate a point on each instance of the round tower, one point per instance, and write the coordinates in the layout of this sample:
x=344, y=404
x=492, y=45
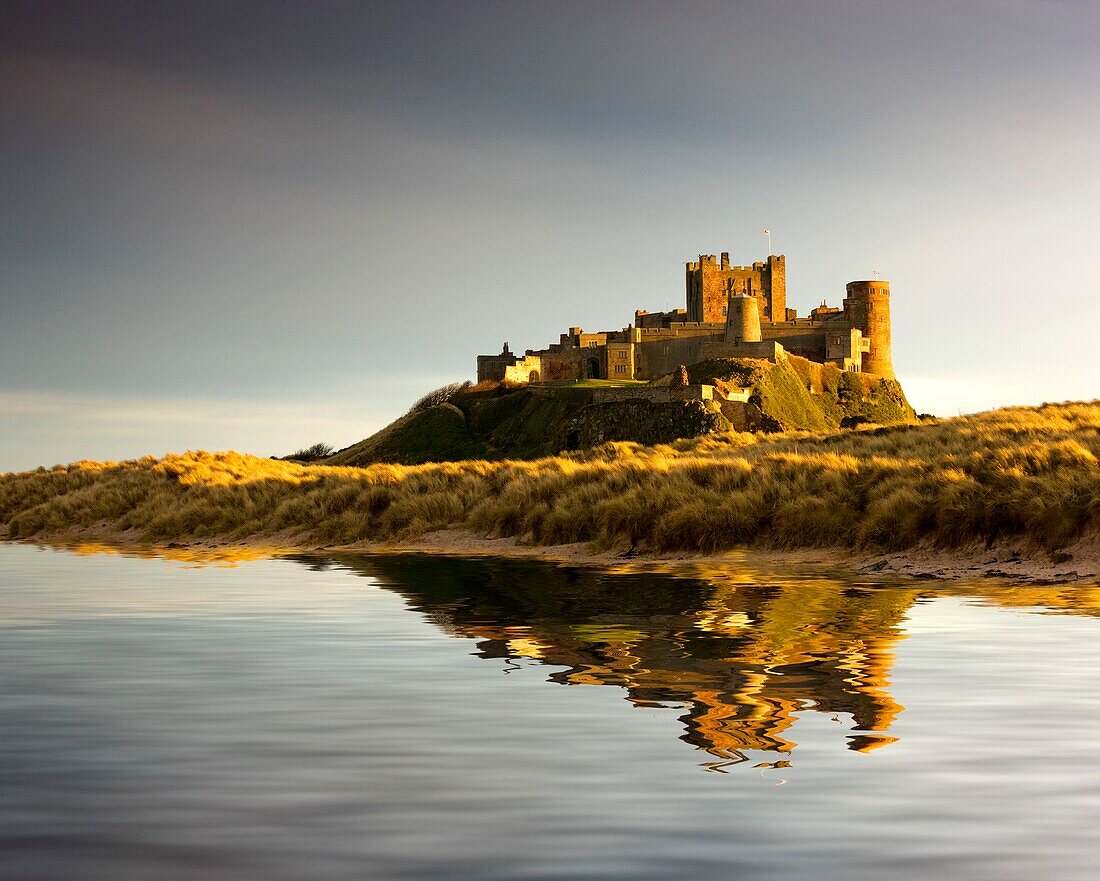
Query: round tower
x=867, y=306
x=743, y=319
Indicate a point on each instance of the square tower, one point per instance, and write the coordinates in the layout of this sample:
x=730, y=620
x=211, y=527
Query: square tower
x=710, y=284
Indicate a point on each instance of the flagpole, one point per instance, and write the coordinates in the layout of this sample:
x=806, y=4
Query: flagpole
x=768, y=233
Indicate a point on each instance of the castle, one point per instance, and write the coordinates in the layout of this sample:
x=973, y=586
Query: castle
x=732, y=312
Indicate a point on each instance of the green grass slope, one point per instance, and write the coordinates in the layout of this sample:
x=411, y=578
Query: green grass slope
x=439, y=434
x=493, y=423
x=797, y=394
x=522, y=423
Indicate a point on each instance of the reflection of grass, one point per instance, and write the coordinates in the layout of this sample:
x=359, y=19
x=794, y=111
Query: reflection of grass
x=228, y=557
x=608, y=633
x=1014, y=472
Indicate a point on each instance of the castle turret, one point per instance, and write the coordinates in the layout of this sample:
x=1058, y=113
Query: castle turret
x=743, y=320
x=867, y=306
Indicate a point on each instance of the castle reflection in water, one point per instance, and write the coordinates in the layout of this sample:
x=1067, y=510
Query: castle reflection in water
x=742, y=660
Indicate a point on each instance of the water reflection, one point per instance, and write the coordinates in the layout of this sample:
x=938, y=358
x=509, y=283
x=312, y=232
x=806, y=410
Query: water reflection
x=740, y=661
x=741, y=655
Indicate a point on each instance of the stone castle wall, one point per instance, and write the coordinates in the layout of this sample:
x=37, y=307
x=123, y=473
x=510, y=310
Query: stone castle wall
x=654, y=393
x=856, y=338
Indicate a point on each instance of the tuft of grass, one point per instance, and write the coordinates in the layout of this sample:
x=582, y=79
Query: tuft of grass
x=1019, y=473
x=441, y=395
x=311, y=454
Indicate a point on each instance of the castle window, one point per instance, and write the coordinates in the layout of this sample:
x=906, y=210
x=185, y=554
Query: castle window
x=593, y=344
x=622, y=353
x=620, y=368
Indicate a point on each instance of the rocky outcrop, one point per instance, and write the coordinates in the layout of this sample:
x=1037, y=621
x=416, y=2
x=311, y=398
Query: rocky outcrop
x=644, y=422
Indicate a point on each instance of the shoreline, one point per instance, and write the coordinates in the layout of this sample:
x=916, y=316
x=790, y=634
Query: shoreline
x=1009, y=562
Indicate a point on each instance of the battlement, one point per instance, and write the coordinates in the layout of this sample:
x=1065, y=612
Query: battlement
x=678, y=326
x=710, y=261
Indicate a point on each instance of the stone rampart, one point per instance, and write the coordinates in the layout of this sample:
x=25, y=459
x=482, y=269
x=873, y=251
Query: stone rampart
x=653, y=393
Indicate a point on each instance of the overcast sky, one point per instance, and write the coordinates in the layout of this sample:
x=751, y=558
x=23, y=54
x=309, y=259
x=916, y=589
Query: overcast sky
x=261, y=225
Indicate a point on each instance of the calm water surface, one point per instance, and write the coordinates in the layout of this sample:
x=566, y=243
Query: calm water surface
x=405, y=718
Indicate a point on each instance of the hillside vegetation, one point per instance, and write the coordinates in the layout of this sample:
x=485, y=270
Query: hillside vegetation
x=496, y=421
x=1027, y=473
x=800, y=394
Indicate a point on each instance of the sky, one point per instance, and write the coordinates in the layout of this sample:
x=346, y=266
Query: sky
x=257, y=226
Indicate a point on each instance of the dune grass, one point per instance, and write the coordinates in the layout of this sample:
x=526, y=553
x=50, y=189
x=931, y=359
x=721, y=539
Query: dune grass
x=1029, y=473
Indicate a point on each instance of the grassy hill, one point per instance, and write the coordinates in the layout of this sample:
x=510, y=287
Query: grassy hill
x=1023, y=474
x=800, y=394
x=496, y=422
x=483, y=423
x=438, y=434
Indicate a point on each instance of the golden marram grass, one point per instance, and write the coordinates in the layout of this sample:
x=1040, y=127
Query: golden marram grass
x=1017, y=472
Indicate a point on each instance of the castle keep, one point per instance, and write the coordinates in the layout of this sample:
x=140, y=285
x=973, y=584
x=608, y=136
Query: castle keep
x=731, y=312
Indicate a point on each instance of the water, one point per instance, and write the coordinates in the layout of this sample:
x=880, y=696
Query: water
x=405, y=718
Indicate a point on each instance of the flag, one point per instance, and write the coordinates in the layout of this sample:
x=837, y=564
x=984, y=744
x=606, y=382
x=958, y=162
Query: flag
x=767, y=232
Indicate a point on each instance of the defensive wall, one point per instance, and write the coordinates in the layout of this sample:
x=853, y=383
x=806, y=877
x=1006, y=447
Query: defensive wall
x=653, y=393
